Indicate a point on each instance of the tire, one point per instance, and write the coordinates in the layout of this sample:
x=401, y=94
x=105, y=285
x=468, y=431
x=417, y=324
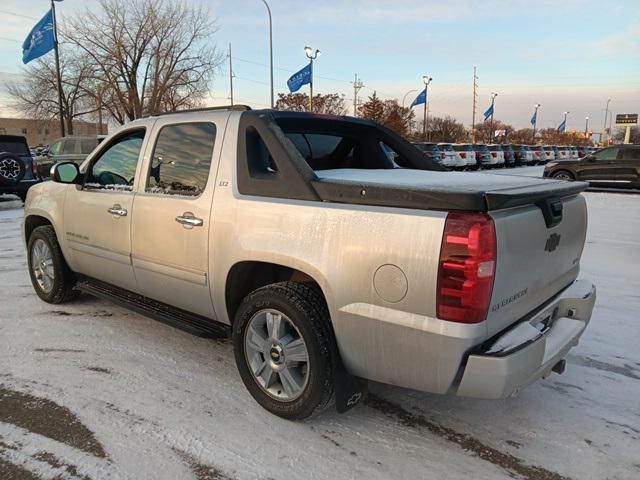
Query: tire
x=302, y=307
x=50, y=275
x=563, y=175
x=12, y=169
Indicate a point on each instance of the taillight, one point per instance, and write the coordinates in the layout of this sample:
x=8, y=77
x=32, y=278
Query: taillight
x=34, y=168
x=466, y=268
x=463, y=155
x=494, y=154
x=443, y=155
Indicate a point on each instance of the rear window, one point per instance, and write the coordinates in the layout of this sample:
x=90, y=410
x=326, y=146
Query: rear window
x=14, y=145
x=428, y=148
x=495, y=148
x=481, y=148
x=463, y=148
x=446, y=148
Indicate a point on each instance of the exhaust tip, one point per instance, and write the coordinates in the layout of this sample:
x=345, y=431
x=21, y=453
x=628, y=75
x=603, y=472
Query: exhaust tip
x=559, y=367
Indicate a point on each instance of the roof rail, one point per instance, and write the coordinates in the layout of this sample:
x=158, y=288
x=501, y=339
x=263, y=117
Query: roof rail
x=241, y=108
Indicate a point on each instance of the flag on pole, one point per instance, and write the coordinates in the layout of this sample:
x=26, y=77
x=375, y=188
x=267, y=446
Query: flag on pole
x=489, y=112
x=420, y=99
x=41, y=39
x=562, y=126
x=300, y=78
x=534, y=119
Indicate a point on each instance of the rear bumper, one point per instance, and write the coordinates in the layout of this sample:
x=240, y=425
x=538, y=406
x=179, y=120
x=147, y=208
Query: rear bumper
x=529, y=351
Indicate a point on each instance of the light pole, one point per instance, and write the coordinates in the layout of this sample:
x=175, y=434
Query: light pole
x=586, y=126
x=426, y=80
x=535, y=122
x=311, y=55
x=493, y=101
x=270, y=48
x=604, y=127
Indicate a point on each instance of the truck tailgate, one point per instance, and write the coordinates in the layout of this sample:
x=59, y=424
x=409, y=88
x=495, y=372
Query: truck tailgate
x=535, y=258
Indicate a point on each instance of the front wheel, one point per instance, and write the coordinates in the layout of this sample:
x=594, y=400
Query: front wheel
x=283, y=345
x=51, y=277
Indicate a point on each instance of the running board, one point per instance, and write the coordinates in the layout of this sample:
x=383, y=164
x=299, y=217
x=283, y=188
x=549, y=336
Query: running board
x=175, y=317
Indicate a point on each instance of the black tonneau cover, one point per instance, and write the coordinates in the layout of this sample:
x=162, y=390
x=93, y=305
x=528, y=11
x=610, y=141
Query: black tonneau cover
x=475, y=192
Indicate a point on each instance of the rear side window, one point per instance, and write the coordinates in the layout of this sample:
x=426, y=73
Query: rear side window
x=87, y=145
x=68, y=146
x=181, y=159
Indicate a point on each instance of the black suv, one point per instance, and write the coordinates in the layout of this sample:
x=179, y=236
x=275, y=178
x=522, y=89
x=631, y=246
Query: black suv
x=18, y=170
x=617, y=166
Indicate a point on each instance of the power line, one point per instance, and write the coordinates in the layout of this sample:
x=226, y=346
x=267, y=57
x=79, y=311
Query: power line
x=18, y=15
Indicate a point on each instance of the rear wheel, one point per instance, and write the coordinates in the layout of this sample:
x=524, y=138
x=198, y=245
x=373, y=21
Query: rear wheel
x=563, y=175
x=283, y=347
x=51, y=277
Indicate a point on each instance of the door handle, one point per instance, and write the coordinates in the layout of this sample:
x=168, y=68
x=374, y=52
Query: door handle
x=189, y=220
x=117, y=210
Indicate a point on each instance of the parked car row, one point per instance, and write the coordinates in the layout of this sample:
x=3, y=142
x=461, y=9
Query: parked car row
x=467, y=156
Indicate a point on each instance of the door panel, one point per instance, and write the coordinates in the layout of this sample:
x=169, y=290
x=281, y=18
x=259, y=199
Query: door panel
x=170, y=230
x=98, y=213
x=599, y=167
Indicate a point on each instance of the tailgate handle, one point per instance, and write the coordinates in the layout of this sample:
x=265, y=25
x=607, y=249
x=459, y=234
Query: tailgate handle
x=551, y=211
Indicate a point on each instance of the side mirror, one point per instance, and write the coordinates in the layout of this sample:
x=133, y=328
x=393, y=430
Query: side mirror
x=590, y=158
x=65, y=172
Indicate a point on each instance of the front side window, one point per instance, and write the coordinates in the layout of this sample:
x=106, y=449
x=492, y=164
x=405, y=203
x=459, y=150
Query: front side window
x=115, y=168
x=181, y=159
x=607, y=154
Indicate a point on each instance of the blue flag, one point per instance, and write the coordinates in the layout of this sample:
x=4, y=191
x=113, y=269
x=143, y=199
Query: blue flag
x=489, y=112
x=300, y=78
x=534, y=119
x=562, y=126
x=420, y=99
x=40, y=40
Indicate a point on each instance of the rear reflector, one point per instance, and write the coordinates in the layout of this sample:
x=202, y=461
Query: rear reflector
x=466, y=268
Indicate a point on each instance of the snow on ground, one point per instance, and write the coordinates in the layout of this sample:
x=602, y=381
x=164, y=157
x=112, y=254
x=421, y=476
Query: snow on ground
x=91, y=390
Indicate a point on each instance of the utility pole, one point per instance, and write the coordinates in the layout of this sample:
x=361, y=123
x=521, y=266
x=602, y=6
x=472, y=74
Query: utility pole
x=475, y=105
x=357, y=86
x=231, y=74
x=57, y=56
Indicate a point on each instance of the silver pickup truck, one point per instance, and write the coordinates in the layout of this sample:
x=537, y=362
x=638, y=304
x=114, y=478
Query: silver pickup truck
x=333, y=250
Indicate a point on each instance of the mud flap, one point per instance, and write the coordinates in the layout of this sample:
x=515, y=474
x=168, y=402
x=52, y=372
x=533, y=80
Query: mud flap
x=349, y=390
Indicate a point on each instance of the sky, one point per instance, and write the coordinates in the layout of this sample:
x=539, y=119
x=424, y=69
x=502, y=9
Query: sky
x=569, y=55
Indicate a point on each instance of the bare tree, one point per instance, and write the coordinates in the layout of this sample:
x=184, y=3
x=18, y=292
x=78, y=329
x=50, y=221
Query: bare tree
x=485, y=130
x=445, y=129
x=330, y=103
x=37, y=95
x=149, y=55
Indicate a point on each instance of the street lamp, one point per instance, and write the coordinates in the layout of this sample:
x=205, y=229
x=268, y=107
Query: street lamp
x=311, y=55
x=604, y=127
x=535, y=122
x=426, y=79
x=405, y=95
x=270, y=48
x=493, y=100
x=586, y=126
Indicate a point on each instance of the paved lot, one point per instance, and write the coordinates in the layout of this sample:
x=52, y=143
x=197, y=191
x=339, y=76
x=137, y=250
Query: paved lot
x=89, y=390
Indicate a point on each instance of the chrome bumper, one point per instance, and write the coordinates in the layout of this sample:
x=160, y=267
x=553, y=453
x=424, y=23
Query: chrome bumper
x=530, y=350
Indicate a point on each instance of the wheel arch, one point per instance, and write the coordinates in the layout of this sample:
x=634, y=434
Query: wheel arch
x=33, y=221
x=248, y=275
x=571, y=173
